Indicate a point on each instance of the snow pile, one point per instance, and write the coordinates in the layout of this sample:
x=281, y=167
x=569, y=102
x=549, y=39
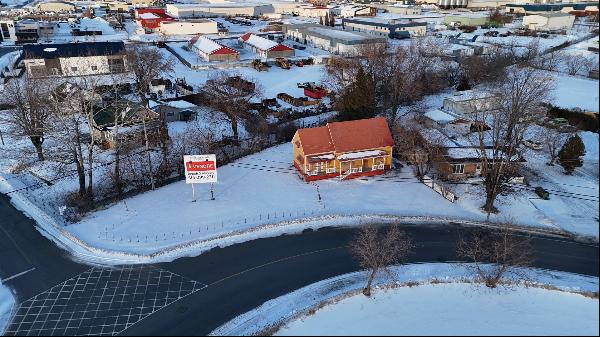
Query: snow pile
x=410, y=311
x=6, y=303
x=293, y=305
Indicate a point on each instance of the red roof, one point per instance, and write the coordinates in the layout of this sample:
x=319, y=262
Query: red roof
x=315, y=140
x=224, y=51
x=348, y=136
x=280, y=47
x=246, y=36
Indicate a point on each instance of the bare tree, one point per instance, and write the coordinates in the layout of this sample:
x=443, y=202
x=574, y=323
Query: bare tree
x=576, y=64
x=553, y=141
x=496, y=256
x=147, y=64
x=29, y=113
x=516, y=105
x=376, y=249
x=230, y=96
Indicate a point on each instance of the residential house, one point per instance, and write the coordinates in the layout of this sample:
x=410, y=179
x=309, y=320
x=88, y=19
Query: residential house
x=265, y=48
x=74, y=59
x=210, y=50
x=439, y=119
x=26, y=31
x=130, y=131
x=459, y=163
x=175, y=111
x=469, y=102
x=343, y=149
x=7, y=30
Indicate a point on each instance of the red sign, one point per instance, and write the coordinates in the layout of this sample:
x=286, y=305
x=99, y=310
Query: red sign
x=200, y=166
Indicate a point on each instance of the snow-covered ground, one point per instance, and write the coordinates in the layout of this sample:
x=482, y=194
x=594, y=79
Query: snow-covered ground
x=6, y=303
x=575, y=92
x=410, y=311
x=264, y=188
x=443, y=296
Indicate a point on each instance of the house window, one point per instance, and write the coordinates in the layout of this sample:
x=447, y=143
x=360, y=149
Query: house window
x=94, y=67
x=458, y=168
x=73, y=68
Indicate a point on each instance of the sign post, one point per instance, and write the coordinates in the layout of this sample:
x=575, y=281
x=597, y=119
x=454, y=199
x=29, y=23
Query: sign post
x=200, y=169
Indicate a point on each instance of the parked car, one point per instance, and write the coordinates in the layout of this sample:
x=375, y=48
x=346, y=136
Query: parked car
x=534, y=145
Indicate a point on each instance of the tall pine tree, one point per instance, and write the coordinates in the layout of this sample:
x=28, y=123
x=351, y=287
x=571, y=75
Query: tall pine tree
x=570, y=155
x=359, y=101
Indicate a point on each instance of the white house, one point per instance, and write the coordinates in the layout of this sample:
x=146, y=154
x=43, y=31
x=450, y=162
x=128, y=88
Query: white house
x=549, y=21
x=74, y=59
x=7, y=30
x=188, y=27
x=469, y=102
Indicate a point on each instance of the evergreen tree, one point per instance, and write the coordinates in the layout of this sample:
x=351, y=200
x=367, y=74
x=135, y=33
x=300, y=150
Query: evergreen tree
x=359, y=101
x=463, y=84
x=570, y=155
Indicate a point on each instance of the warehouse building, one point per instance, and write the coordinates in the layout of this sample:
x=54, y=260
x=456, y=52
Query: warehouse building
x=265, y=48
x=401, y=28
x=330, y=39
x=188, y=27
x=217, y=9
x=210, y=50
x=551, y=21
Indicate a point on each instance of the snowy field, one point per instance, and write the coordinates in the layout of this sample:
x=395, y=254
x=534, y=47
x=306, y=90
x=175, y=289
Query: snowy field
x=264, y=188
x=410, y=311
x=446, y=301
x=575, y=92
x=6, y=303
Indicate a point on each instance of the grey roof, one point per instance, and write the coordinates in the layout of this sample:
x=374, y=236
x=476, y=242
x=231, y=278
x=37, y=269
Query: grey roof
x=334, y=35
x=78, y=49
x=384, y=23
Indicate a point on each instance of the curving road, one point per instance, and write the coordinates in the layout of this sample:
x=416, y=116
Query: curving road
x=207, y=290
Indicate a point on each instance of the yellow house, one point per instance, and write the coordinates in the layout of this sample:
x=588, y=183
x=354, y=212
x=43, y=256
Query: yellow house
x=343, y=149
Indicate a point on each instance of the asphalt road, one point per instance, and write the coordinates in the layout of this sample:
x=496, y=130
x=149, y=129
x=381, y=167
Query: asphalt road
x=193, y=296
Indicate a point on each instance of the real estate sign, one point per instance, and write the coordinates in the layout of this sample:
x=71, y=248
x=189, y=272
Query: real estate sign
x=200, y=169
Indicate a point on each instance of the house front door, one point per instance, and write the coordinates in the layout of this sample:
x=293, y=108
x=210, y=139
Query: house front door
x=345, y=166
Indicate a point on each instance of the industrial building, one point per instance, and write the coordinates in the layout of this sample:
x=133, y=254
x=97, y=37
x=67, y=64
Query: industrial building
x=217, y=9
x=188, y=27
x=210, y=50
x=551, y=21
x=265, y=48
x=330, y=39
x=400, y=28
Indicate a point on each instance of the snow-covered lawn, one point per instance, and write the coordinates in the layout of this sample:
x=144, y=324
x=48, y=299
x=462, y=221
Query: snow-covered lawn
x=443, y=302
x=6, y=303
x=453, y=309
x=264, y=189
x=575, y=92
